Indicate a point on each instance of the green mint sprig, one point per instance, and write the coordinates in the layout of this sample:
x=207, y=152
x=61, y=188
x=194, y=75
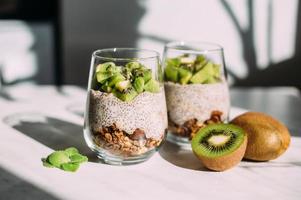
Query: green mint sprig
x=67, y=160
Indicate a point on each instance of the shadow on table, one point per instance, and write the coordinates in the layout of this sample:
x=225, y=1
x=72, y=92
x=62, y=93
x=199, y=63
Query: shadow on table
x=183, y=158
x=54, y=133
x=249, y=164
x=76, y=108
x=13, y=187
x=4, y=95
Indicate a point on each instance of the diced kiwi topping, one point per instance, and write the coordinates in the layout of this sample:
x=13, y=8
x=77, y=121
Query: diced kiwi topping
x=125, y=82
x=187, y=70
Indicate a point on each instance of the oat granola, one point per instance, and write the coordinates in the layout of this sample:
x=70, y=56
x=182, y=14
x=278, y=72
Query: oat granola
x=121, y=143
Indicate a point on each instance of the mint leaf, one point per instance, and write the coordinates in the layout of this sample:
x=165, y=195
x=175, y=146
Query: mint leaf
x=71, y=167
x=57, y=158
x=71, y=151
x=67, y=160
x=78, y=158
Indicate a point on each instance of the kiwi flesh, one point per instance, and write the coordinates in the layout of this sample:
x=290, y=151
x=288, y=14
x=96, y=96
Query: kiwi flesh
x=204, y=74
x=147, y=75
x=102, y=77
x=125, y=82
x=139, y=84
x=152, y=86
x=187, y=69
x=126, y=95
x=219, y=146
x=105, y=67
x=115, y=79
x=123, y=85
x=185, y=75
x=171, y=73
x=268, y=138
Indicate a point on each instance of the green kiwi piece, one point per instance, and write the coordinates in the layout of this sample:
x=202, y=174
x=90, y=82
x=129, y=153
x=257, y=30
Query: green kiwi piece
x=200, y=65
x=57, y=158
x=115, y=79
x=152, y=86
x=219, y=146
x=139, y=84
x=121, y=81
x=216, y=70
x=200, y=59
x=184, y=80
x=105, y=67
x=106, y=88
x=126, y=95
x=205, y=73
x=171, y=73
x=210, y=80
x=133, y=65
x=71, y=167
x=185, y=75
x=175, y=62
x=123, y=85
x=102, y=77
x=147, y=75
x=185, y=70
x=127, y=73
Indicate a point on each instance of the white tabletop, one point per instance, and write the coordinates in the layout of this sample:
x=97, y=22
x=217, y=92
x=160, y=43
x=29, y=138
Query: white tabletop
x=35, y=120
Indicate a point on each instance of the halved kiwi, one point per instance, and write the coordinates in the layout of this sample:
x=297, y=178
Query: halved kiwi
x=220, y=146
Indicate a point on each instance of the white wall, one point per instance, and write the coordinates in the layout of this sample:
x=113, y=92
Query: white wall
x=97, y=24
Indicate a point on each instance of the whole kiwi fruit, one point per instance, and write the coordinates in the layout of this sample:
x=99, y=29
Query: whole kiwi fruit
x=219, y=146
x=267, y=137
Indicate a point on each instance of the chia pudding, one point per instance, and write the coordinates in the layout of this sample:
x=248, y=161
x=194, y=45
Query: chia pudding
x=196, y=94
x=127, y=112
x=196, y=101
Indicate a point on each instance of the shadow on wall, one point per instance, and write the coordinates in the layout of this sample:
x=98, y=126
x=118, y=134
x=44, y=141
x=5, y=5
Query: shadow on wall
x=13, y=187
x=104, y=24
x=285, y=73
x=55, y=133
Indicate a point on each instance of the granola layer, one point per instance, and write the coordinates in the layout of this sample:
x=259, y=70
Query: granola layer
x=192, y=126
x=119, y=142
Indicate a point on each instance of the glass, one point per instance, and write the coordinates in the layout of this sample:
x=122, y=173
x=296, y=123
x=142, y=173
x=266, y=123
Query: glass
x=196, y=88
x=125, y=117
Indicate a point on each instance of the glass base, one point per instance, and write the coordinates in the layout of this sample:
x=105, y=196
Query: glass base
x=111, y=159
x=182, y=142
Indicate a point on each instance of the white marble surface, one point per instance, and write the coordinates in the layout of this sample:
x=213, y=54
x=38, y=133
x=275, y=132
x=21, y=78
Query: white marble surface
x=40, y=119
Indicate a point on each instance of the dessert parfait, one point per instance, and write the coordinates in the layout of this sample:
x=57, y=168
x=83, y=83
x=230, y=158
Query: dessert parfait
x=196, y=90
x=126, y=111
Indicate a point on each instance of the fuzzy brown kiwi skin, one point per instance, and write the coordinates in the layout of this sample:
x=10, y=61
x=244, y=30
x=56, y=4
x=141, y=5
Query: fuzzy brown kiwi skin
x=225, y=162
x=268, y=138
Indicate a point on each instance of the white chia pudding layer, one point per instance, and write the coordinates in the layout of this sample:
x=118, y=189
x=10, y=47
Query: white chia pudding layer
x=147, y=112
x=185, y=102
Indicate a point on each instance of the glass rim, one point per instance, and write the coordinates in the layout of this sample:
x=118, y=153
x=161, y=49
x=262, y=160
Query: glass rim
x=98, y=51
x=173, y=46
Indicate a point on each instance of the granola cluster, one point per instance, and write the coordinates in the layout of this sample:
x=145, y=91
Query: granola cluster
x=121, y=143
x=191, y=127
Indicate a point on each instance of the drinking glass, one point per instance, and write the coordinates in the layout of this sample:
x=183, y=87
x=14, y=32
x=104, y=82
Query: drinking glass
x=196, y=88
x=125, y=116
